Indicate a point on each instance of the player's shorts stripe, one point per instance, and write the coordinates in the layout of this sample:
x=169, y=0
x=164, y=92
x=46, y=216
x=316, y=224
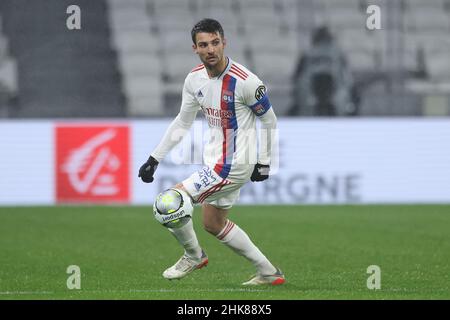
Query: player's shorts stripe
x=229, y=126
x=212, y=190
x=201, y=196
x=219, y=187
x=239, y=69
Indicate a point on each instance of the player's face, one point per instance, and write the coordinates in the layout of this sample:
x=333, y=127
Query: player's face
x=209, y=48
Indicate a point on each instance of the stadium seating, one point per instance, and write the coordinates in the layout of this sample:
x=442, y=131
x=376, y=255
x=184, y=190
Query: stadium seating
x=427, y=19
x=62, y=73
x=143, y=47
x=8, y=75
x=419, y=4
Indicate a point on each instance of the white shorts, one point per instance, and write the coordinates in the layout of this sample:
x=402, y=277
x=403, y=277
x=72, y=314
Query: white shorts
x=205, y=185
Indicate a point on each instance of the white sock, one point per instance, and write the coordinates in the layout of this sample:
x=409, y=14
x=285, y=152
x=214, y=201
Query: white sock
x=188, y=239
x=236, y=238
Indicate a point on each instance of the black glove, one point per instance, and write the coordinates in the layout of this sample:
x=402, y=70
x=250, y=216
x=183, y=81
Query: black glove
x=260, y=173
x=148, y=169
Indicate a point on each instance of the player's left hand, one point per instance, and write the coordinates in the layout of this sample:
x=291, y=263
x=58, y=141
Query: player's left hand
x=260, y=172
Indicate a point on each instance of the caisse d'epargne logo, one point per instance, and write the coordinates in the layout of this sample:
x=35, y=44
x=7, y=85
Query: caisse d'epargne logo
x=92, y=163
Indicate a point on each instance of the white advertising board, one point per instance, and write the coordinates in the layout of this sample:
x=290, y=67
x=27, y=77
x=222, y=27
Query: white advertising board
x=26, y=162
x=333, y=161
x=321, y=161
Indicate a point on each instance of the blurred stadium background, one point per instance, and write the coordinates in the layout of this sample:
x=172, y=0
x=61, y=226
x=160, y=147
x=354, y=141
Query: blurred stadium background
x=71, y=99
x=131, y=57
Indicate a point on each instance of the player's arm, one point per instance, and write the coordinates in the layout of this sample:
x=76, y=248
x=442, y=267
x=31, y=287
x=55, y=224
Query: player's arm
x=258, y=101
x=174, y=134
x=268, y=125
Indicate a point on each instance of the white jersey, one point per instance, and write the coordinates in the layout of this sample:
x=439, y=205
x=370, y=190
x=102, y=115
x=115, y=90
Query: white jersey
x=231, y=103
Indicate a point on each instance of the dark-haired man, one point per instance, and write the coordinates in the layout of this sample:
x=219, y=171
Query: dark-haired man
x=231, y=98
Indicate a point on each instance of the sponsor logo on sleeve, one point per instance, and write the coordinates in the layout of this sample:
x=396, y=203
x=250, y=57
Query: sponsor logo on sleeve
x=260, y=92
x=259, y=109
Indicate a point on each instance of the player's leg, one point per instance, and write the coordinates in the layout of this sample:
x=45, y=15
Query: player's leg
x=194, y=257
x=214, y=219
x=200, y=184
x=215, y=222
x=186, y=235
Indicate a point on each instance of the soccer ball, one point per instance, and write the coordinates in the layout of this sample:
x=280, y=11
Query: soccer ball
x=173, y=208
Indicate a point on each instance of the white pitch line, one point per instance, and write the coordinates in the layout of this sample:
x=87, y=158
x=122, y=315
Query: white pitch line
x=198, y=290
x=132, y=291
x=24, y=292
x=170, y=290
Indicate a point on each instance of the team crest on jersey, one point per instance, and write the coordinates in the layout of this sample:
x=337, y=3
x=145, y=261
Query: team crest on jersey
x=228, y=96
x=260, y=92
x=200, y=94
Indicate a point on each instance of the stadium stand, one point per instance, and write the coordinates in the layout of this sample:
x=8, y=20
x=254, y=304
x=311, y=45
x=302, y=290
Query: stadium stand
x=8, y=76
x=62, y=73
x=132, y=56
x=132, y=34
x=269, y=36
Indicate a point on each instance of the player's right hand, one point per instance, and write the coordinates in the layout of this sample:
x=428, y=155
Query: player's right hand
x=148, y=169
x=260, y=172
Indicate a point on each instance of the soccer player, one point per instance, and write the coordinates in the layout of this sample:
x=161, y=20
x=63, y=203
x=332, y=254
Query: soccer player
x=231, y=98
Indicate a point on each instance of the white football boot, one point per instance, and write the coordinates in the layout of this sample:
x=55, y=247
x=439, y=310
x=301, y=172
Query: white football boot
x=273, y=279
x=184, y=266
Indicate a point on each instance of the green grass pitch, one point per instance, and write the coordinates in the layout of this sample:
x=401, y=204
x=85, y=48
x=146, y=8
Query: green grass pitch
x=323, y=250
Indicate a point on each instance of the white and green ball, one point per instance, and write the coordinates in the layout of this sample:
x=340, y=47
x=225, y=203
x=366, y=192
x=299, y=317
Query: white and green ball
x=173, y=208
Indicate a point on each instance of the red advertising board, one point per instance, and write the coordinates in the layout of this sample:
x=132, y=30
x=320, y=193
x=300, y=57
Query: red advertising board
x=92, y=163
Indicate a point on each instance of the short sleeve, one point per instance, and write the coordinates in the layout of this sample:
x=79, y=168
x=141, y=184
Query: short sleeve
x=255, y=96
x=189, y=103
